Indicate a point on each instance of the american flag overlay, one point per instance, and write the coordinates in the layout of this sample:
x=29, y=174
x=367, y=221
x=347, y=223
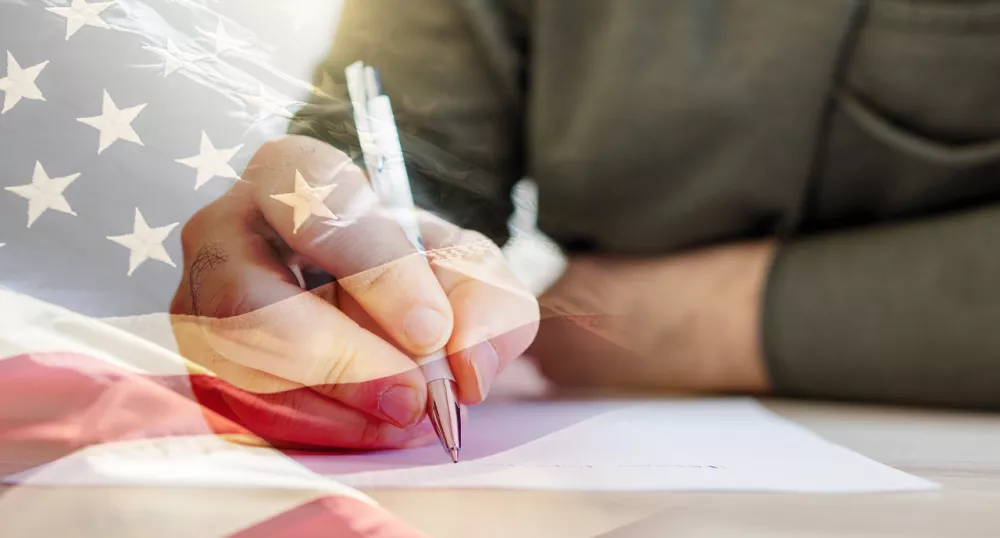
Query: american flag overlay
x=119, y=119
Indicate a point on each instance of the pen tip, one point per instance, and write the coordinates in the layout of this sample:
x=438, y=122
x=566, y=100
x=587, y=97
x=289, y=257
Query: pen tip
x=454, y=455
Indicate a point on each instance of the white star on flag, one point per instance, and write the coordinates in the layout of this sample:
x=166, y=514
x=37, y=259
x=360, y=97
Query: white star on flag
x=307, y=201
x=114, y=123
x=174, y=58
x=223, y=41
x=211, y=162
x=145, y=243
x=44, y=193
x=269, y=105
x=80, y=14
x=20, y=83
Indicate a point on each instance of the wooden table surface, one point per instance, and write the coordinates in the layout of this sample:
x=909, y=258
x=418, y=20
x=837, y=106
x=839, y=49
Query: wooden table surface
x=961, y=451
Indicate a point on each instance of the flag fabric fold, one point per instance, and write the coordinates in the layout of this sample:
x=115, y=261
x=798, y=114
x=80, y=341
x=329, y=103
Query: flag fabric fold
x=79, y=424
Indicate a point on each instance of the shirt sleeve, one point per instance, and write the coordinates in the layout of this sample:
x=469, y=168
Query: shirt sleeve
x=453, y=72
x=907, y=313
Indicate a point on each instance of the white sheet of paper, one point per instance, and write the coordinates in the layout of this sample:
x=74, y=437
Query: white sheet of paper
x=510, y=442
x=714, y=444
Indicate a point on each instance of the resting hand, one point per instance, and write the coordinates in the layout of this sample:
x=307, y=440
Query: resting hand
x=687, y=322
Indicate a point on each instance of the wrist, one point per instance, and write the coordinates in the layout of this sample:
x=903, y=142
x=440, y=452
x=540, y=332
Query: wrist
x=704, y=321
x=742, y=358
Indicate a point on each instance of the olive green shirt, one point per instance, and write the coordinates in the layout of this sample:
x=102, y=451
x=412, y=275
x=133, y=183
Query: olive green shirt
x=864, y=135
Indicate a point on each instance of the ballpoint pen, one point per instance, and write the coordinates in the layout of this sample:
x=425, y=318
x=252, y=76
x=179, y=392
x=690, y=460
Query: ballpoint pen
x=383, y=157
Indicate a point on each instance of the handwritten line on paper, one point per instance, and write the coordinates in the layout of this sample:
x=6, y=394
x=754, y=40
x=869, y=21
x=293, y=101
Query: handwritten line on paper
x=709, y=444
x=588, y=466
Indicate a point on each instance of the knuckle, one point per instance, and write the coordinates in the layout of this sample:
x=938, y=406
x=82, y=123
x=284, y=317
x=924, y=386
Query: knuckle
x=276, y=155
x=344, y=357
x=271, y=147
x=285, y=152
x=273, y=154
x=376, y=280
x=371, y=434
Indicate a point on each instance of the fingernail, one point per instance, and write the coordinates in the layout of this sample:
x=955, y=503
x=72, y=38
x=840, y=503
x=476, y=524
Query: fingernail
x=425, y=326
x=401, y=404
x=485, y=363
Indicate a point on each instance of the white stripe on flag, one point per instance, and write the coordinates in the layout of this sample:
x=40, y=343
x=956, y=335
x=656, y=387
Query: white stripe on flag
x=31, y=326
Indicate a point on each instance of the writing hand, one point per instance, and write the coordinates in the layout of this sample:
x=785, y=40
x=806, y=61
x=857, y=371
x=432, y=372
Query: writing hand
x=333, y=365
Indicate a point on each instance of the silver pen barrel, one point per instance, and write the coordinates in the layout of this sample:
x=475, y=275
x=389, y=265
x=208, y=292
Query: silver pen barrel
x=387, y=172
x=442, y=402
x=445, y=415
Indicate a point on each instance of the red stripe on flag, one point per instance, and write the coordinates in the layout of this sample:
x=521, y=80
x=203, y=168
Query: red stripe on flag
x=52, y=404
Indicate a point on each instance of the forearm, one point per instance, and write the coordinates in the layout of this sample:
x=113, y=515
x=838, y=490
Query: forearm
x=904, y=313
